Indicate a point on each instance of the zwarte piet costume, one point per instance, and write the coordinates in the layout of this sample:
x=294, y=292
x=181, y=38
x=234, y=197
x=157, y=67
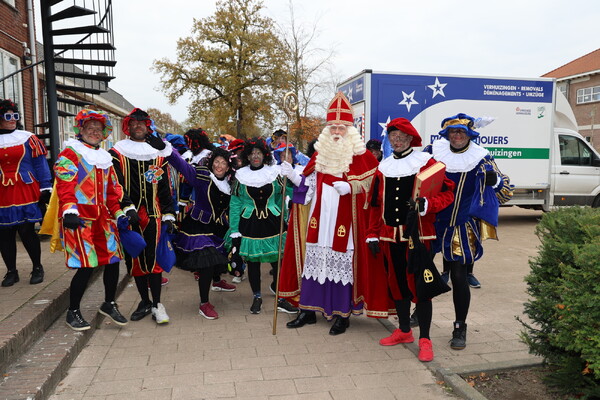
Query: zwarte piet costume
x=472, y=217
x=26, y=182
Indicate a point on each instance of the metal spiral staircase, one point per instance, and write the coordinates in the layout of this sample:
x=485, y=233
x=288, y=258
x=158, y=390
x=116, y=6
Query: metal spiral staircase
x=79, y=57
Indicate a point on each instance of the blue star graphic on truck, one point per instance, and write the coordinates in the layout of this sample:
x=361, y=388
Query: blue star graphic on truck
x=438, y=88
x=383, y=125
x=408, y=100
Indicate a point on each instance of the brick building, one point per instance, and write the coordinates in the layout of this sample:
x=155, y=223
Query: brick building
x=17, y=34
x=579, y=80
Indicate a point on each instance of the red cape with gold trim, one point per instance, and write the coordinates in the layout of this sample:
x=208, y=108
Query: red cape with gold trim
x=370, y=278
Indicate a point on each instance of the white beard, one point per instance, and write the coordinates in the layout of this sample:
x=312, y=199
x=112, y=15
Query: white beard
x=334, y=157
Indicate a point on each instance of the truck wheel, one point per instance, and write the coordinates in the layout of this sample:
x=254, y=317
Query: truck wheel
x=596, y=202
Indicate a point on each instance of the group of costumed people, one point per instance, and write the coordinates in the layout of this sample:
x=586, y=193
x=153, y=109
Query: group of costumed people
x=354, y=225
x=350, y=220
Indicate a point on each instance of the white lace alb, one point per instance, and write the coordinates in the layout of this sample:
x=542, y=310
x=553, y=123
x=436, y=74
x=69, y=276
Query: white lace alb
x=323, y=263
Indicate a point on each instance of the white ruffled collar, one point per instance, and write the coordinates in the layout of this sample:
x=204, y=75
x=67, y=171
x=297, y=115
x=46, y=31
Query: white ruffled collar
x=195, y=159
x=264, y=176
x=141, y=151
x=458, y=162
x=399, y=167
x=97, y=157
x=14, y=138
x=223, y=185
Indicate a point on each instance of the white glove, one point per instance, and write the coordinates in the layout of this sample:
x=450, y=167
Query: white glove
x=343, y=188
x=288, y=170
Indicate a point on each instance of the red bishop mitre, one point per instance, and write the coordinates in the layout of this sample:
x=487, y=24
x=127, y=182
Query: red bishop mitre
x=339, y=111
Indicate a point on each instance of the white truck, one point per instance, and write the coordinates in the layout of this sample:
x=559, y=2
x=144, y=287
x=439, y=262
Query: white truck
x=533, y=136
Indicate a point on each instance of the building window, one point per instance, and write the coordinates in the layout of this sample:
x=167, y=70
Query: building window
x=11, y=2
x=588, y=95
x=11, y=88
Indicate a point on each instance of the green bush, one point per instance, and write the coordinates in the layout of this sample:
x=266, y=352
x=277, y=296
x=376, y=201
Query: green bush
x=564, y=285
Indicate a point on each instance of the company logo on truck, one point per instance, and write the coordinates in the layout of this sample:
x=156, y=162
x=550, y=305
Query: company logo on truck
x=523, y=111
x=541, y=110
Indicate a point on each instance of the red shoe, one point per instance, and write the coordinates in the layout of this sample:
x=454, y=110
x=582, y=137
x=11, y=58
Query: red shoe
x=196, y=275
x=222, y=286
x=425, y=350
x=208, y=311
x=397, y=337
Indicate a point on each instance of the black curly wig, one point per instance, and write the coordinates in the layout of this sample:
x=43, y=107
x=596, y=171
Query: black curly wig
x=220, y=152
x=258, y=143
x=6, y=105
x=197, y=140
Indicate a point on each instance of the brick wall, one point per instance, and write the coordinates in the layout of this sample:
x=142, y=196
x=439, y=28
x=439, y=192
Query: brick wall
x=584, y=112
x=13, y=22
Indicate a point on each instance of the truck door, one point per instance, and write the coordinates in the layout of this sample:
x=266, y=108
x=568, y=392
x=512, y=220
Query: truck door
x=577, y=172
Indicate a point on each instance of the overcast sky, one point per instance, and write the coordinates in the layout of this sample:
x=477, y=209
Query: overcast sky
x=524, y=38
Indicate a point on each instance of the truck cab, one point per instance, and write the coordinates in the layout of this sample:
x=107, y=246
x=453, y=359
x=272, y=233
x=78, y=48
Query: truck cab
x=575, y=171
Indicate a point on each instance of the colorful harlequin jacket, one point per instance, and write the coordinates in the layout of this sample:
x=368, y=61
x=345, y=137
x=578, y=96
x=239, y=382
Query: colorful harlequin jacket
x=87, y=185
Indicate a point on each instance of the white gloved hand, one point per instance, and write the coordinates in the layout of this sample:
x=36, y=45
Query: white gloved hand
x=288, y=170
x=343, y=188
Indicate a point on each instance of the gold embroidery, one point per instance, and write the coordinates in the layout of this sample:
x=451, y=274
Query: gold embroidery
x=313, y=223
x=427, y=276
x=341, y=232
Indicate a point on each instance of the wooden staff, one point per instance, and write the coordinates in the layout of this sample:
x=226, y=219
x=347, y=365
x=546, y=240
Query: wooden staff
x=290, y=105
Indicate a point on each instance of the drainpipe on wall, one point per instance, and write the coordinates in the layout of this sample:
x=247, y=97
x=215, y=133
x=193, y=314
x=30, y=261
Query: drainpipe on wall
x=34, y=72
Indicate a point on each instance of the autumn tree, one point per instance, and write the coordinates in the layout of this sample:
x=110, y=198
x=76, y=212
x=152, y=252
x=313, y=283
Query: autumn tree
x=306, y=129
x=164, y=121
x=232, y=66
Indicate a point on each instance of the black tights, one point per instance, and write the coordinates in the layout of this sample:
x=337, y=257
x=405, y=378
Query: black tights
x=469, y=267
x=8, y=244
x=424, y=315
x=205, y=277
x=80, y=281
x=254, y=276
x=152, y=280
x=424, y=307
x=461, y=293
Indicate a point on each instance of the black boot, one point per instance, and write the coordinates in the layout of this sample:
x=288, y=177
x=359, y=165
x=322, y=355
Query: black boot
x=459, y=336
x=339, y=325
x=305, y=317
x=37, y=275
x=10, y=278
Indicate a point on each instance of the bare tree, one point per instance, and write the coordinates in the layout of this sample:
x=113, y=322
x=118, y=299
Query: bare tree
x=308, y=67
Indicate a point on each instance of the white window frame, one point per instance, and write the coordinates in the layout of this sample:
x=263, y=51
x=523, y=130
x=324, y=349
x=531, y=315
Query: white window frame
x=588, y=95
x=18, y=78
x=11, y=2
